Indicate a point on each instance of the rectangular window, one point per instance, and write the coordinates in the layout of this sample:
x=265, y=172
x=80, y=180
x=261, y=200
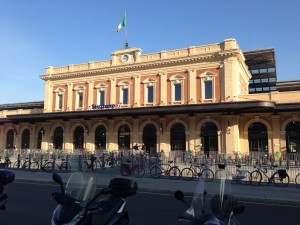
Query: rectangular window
x=125, y=96
x=102, y=97
x=150, y=93
x=177, y=93
x=60, y=101
x=208, y=89
x=80, y=100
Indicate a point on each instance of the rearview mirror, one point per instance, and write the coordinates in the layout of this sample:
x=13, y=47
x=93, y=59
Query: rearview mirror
x=57, y=179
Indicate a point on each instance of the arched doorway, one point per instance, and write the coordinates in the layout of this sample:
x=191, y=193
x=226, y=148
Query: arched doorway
x=292, y=134
x=209, y=138
x=10, y=139
x=78, y=138
x=258, y=138
x=178, y=139
x=124, y=137
x=58, y=138
x=100, y=138
x=25, y=139
x=149, y=138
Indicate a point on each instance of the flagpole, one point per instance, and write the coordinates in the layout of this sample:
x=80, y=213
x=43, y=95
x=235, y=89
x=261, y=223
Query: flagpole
x=126, y=35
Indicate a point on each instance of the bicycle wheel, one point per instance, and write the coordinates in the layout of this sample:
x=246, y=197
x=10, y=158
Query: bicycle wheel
x=218, y=174
x=187, y=174
x=243, y=176
x=84, y=167
x=174, y=173
x=48, y=167
x=297, y=180
x=97, y=165
x=34, y=166
x=25, y=165
x=155, y=172
x=207, y=175
x=125, y=170
x=281, y=181
x=139, y=171
x=16, y=165
x=65, y=167
x=255, y=177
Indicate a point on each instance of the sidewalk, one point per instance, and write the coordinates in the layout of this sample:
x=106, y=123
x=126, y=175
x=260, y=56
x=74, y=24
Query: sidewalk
x=265, y=193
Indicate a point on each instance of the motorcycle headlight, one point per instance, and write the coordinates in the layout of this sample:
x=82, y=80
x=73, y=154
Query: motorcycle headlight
x=74, y=221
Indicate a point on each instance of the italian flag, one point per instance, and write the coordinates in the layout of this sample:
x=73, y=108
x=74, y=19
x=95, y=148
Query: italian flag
x=122, y=24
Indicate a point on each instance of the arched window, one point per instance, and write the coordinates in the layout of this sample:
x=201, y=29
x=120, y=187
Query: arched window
x=25, y=139
x=100, y=137
x=10, y=139
x=178, y=139
x=292, y=134
x=124, y=137
x=78, y=140
x=258, y=137
x=209, y=138
x=149, y=138
x=58, y=138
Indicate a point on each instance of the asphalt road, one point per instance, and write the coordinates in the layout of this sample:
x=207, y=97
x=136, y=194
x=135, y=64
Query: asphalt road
x=31, y=204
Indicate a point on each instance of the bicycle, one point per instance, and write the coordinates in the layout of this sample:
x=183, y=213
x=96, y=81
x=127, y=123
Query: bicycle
x=93, y=165
x=241, y=176
x=52, y=166
x=279, y=177
x=199, y=170
x=137, y=169
x=173, y=172
x=30, y=165
x=6, y=164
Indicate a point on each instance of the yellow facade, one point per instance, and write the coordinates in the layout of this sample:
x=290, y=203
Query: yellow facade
x=92, y=94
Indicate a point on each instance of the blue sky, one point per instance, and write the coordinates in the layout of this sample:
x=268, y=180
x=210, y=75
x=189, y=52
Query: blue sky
x=40, y=33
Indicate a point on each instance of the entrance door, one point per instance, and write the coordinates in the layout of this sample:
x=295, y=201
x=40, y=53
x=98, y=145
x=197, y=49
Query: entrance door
x=149, y=138
x=209, y=138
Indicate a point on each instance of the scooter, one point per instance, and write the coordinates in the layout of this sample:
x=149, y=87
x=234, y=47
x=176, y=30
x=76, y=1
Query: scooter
x=223, y=207
x=79, y=204
x=6, y=177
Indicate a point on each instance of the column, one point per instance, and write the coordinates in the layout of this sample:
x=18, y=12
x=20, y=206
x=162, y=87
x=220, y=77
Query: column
x=276, y=135
x=136, y=91
x=163, y=89
x=192, y=133
x=90, y=94
x=70, y=97
x=113, y=91
x=191, y=86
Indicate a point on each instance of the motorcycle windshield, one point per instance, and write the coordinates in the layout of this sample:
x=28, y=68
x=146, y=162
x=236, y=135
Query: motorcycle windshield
x=81, y=187
x=211, y=198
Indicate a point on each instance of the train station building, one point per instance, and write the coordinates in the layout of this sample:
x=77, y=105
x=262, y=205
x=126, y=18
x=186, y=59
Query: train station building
x=210, y=99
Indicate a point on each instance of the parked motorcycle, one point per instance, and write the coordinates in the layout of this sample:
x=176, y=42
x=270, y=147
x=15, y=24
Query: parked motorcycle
x=79, y=204
x=6, y=177
x=221, y=209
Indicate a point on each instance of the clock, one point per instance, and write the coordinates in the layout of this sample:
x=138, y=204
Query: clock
x=125, y=58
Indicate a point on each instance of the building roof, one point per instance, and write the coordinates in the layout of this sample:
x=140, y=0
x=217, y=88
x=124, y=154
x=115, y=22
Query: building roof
x=23, y=105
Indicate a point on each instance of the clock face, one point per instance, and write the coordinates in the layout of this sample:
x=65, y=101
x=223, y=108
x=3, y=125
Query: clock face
x=125, y=58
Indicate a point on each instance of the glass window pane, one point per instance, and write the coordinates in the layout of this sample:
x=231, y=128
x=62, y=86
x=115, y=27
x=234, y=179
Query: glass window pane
x=208, y=90
x=102, y=97
x=60, y=101
x=177, y=92
x=125, y=96
x=80, y=99
x=150, y=95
